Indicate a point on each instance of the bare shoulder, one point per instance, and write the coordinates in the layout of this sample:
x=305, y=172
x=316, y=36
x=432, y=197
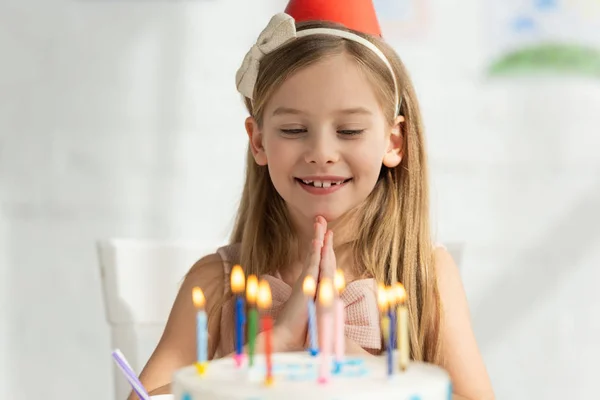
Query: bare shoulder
x=177, y=345
x=208, y=273
x=460, y=352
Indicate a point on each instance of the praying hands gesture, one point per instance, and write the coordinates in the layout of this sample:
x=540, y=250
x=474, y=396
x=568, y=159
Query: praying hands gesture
x=290, y=330
x=291, y=326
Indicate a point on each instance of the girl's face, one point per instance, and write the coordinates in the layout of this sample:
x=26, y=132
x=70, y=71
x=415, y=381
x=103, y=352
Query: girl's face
x=324, y=139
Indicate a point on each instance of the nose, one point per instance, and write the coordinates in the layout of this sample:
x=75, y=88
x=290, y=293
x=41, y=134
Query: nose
x=321, y=149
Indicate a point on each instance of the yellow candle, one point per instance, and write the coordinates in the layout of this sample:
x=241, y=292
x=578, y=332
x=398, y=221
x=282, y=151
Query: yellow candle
x=402, y=321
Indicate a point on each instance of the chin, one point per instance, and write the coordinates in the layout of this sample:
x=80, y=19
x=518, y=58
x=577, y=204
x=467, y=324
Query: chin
x=329, y=214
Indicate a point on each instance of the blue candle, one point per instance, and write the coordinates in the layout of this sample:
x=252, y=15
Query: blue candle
x=390, y=352
x=383, y=302
x=240, y=321
x=393, y=334
x=309, y=287
x=202, y=336
x=201, y=330
x=312, y=325
x=238, y=285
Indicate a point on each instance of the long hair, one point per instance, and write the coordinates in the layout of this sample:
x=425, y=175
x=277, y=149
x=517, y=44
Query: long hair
x=393, y=243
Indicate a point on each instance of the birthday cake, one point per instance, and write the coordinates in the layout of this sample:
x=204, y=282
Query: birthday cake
x=295, y=376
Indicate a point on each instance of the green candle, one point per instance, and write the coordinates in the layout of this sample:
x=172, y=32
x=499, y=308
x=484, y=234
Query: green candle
x=252, y=331
x=251, y=293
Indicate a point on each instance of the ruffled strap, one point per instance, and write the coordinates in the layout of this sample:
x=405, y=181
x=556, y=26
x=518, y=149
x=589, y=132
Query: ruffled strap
x=362, y=313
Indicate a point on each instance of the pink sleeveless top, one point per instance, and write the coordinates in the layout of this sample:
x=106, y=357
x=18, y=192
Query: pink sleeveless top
x=359, y=297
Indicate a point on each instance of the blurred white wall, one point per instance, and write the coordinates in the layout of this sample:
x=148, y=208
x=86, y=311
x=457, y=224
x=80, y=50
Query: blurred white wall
x=122, y=119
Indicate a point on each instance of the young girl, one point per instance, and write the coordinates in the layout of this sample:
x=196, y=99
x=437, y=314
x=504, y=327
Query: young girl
x=336, y=178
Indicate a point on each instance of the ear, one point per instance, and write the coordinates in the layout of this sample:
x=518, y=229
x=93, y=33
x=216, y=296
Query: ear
x=256, y=139
x=394, y=152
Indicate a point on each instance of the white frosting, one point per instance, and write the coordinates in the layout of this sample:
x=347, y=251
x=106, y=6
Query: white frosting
x=295, y=378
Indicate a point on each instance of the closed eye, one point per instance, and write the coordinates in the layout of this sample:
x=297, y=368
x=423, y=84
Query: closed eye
x=351, y=132
x=293, y=131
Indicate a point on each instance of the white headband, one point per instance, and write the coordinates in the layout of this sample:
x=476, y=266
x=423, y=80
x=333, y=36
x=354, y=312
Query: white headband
x=280, y=30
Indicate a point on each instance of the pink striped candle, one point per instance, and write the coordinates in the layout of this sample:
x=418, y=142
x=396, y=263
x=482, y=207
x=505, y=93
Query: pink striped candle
x=326, y=325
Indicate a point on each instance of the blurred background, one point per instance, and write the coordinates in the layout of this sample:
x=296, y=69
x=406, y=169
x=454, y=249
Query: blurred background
x=121, y=119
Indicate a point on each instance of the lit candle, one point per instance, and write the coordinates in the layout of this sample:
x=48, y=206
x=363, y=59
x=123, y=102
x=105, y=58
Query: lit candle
x=392, y=314
x=237, y=287
x=339, y=282
x=325, y=300
x=383, y=302
x=264, y=302
x=201, y=330
x=251, y=293
x=402, y=317
x=309, y=287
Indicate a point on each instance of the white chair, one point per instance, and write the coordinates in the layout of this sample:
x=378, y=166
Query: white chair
x=456, y=250
x=140, y=280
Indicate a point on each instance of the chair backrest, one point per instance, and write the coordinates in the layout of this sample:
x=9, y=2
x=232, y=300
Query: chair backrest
x=140, y=280
x=456, y=250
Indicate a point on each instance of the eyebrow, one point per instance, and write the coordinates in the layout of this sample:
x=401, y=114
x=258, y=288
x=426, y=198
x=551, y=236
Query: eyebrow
x=346, y=111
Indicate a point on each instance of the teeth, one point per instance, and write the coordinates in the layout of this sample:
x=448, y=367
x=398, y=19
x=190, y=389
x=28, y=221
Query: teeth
x=322, y=184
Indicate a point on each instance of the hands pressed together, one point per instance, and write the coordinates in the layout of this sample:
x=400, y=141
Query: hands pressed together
x=290, y=329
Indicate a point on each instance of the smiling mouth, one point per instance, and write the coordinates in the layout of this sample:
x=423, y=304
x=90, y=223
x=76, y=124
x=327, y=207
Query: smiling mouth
x=322, y=184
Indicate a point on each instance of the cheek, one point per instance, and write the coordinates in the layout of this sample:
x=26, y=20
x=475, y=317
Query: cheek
x=368, y=160
x=281, y=155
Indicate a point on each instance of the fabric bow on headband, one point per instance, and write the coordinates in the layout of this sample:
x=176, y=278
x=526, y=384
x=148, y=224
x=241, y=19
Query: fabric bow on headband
x=280, y=29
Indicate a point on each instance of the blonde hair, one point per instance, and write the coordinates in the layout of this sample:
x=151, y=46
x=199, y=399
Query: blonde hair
x=394, y=242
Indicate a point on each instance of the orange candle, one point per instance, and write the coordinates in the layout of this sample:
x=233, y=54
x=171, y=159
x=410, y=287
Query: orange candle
x=264, y=302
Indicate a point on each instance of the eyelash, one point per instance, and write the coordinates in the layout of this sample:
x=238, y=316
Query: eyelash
x=344, y=132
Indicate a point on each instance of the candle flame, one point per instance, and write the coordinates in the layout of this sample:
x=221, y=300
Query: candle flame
x=252, y=289
x=325, y=292
x=382, y=297
x=391, y=295
x=309, y=286
x=237, y=279
x=339, y=281
x=263, y=299
x=198, y=297
x=399, y=293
